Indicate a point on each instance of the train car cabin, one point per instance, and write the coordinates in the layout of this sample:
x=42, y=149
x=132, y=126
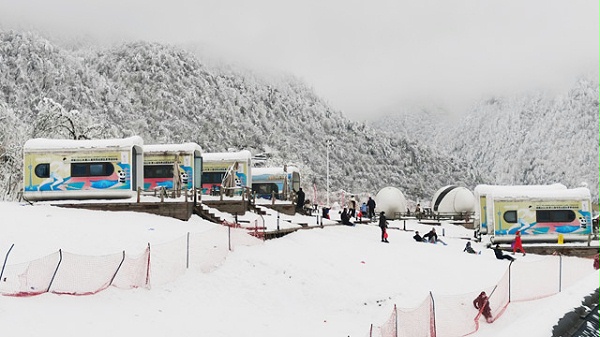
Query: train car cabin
x=172, y=166
x=483, y=193
x=82, y=169
x=228, y=170
x=281, y=182
x=540, y=215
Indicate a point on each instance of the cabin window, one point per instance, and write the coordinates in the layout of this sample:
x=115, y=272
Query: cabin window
x=92, y=169
x=42, y=170
x=559, y=215
x=510, y=216
x=158, y=171
x=212, y=177
x=96, y=170
x=265, y=189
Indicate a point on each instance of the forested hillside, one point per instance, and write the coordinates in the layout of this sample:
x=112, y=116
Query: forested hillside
x=167, y=95
x=533, y=138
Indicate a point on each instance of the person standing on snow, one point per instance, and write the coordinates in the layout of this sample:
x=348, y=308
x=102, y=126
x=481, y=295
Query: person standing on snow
x=596, y=262
x=352, y=206
x=300, y=199
x=364, y=210
x=418, y=212
x=371, y=208
x=482, y=304
x=518, y=244
x=383, y=224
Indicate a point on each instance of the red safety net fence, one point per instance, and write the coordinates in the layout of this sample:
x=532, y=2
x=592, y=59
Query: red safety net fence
x=417, y=322
x=387, y=329
x=66, y=273
x=531, y=280
x=448, y=315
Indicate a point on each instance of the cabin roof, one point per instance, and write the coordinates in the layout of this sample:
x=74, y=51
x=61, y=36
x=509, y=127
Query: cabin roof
x=493, y=189
x=544, y=194
x=256, y=171
x=224, y=156
x=185, y=147
x=70, y=144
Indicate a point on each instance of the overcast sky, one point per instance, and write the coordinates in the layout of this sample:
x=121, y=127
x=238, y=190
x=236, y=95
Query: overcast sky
x=362, y=56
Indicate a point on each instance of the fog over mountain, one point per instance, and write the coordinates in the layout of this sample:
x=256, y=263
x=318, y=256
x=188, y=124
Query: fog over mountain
x=530, y=138
x=359, y=56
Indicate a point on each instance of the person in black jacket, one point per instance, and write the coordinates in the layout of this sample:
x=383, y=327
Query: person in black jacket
x=418, y=237
x=383, y=225
x=500, y=255
x=469, y=249
x=345, y=216
x=371, y=208
x=300, y=199
x=431, y=236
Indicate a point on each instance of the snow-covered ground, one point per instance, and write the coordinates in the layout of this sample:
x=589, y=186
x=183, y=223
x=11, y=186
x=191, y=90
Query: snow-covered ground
x=331, y=281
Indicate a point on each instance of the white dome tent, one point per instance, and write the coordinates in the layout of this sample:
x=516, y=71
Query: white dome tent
x=453, y=201
x=391, y=201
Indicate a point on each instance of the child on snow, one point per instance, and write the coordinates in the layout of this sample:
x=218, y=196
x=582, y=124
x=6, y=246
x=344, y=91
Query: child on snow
x=518, y=244
x=482, y=303
x=470, y=249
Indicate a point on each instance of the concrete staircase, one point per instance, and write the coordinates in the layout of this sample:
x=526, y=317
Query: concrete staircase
x=206, y=214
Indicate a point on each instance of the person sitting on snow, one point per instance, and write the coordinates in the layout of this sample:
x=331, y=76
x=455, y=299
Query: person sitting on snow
x=500, y=255
x=431, y=236
x=345, y=216
x=418, y=237
x=470, y=249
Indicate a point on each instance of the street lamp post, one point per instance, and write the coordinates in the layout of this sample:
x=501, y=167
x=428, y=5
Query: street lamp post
x=328, y=143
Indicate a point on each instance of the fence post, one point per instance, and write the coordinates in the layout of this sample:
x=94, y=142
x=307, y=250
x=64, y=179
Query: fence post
x=396, y=320
x=187, y=252
x=55, y=270
x=229, y=236
x=559, y=273
x=509, y=281
x=5, y=259
x=139, y=192
x=432, y=326
x=148, y=267
x=117, y=271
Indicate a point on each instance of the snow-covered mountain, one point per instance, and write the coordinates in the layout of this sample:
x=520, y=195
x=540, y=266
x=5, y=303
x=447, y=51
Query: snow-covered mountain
x=168, y=95
x=532, y=138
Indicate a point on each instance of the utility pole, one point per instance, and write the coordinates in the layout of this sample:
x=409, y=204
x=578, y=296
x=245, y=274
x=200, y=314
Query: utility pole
x=328, y=142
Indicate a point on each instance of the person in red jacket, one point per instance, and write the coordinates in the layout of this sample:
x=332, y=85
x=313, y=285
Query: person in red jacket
x=518, y=244
x=482, y=304
x=596, y=262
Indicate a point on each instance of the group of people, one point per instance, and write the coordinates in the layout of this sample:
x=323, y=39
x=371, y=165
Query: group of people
x=366, y=210
x=517, y=245
x=430, y=237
